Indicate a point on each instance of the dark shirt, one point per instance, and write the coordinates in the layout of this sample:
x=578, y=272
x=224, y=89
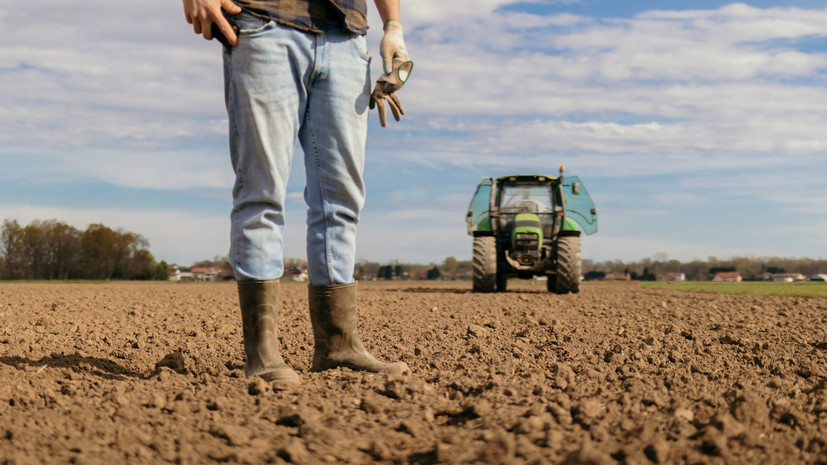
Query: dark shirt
x=312, y=15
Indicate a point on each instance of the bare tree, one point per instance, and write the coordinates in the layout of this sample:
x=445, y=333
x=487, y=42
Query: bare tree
x=11, y=241
x=63, y=246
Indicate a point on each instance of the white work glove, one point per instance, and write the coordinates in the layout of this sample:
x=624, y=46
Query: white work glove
x=397, y=67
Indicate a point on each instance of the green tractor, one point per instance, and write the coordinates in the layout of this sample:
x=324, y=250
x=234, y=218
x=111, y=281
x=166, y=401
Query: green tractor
x=529, y=225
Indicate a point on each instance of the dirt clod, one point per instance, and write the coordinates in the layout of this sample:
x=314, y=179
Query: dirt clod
x=174, y=361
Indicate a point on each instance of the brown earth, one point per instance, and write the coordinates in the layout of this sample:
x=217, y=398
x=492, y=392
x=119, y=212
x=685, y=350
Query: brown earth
x=153, y=373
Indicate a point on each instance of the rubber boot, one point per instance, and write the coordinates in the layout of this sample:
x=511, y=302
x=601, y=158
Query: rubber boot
x=259, y=317
x=333, y=315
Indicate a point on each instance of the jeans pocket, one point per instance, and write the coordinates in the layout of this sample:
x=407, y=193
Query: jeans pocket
x=249, y=24
x=360, y=44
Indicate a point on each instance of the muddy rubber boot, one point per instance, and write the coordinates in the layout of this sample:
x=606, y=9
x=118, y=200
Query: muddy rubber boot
x=259, y=318
x=333, y=315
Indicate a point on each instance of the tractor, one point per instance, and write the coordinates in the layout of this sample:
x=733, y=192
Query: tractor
x=529, y=225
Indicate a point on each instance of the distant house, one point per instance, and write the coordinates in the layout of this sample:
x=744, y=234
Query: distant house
x=174, y=273
x=200, y=273
x=617, y=277
x=728, y=277
x=787, y=277
x=295, y=273
x=674, y=277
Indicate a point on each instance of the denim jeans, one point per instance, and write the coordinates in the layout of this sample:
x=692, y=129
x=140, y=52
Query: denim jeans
x=281, y=84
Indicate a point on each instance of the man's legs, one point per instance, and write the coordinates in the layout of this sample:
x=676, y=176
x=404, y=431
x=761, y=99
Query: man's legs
x=265, y=96
x=333, y=138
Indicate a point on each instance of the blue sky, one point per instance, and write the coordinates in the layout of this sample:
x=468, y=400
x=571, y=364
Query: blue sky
x=698, y=127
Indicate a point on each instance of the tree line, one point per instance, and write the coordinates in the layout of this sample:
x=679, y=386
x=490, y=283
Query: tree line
x=648, y=269
x=54, y=250
x=51, y=249
x=450, y=269
x=751, y=268
x=366, y=270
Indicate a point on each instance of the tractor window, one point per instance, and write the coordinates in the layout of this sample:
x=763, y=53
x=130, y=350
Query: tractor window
x=579, y=206
x=478, y=218
x=526, y=199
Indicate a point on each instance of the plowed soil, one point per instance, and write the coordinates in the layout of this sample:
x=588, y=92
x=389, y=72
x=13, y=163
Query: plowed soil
x=153, y=373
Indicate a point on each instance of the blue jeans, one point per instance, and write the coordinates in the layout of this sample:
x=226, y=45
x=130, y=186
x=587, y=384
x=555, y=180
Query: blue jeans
x=281, y=83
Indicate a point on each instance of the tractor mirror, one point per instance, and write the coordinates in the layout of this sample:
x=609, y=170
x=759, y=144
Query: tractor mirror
x=575, y=188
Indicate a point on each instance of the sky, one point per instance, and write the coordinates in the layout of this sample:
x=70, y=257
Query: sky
x=699, y=128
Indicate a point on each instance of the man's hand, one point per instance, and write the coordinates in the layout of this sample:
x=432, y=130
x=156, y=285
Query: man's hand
x=203, y=13
x=397, y=66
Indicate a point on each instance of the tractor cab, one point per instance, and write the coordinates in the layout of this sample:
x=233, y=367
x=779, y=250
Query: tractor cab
x=526, y=218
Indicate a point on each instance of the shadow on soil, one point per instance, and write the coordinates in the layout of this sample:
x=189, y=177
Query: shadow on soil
x=432, y=290
x=437, y=290
x=97, y=366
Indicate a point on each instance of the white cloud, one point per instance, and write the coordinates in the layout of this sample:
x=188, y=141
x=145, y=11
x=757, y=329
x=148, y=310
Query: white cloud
x=428, y=12
x=746, y=118
x=113, y=75
x=746, y=23
x=706, y=80
x=161, y=170
x=702, y=79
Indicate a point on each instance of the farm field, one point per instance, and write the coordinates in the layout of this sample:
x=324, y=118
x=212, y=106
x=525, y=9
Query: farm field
x=146, y=373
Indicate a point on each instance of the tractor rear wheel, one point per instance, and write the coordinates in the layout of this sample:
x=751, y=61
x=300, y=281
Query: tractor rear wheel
x=569, y=265
x=485, y=264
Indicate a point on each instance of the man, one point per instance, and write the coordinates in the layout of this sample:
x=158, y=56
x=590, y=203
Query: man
x=300, y=68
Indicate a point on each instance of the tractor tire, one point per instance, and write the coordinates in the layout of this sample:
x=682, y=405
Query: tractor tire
x=502, y=281
x=569, y=266
x=484, y=264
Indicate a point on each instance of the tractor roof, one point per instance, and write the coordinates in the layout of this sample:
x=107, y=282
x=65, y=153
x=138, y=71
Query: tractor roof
x=521, y=178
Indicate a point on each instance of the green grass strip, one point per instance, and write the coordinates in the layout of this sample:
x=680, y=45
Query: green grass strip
x=803, y=289
x=58, y=281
